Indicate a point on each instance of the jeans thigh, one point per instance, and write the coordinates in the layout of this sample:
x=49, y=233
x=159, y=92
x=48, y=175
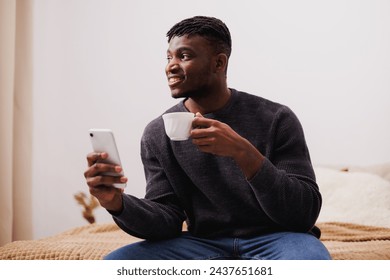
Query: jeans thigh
x=184, y=247
x=283, y=246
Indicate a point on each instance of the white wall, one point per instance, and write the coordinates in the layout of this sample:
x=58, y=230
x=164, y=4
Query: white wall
x=101, y=64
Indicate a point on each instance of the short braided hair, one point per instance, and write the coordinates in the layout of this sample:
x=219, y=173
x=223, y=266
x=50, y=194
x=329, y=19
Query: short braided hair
x=210, y=28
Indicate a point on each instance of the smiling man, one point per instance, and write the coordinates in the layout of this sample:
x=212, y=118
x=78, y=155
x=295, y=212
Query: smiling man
x=243, y=182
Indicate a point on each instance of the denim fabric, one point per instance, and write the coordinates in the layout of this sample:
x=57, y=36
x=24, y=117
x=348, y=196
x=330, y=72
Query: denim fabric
x=275, y=246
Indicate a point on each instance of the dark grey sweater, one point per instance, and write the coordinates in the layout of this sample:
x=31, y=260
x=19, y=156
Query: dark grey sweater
x=212, y=193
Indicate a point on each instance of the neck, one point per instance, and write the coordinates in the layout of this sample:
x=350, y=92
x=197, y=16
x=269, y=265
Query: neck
x=208, y=103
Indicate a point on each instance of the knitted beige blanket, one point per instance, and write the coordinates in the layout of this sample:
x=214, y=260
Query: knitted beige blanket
x=92, y=242
x=89, y=242
x=347, y=241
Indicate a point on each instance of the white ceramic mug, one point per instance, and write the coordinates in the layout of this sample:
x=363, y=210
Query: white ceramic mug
x=178, y=125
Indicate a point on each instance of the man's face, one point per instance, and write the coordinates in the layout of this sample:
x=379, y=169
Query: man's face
x=190, y=69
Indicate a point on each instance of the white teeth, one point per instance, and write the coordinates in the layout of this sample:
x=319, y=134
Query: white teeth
x=174, y=80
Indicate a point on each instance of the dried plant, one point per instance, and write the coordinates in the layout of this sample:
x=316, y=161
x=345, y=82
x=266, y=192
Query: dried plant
x=89, y=204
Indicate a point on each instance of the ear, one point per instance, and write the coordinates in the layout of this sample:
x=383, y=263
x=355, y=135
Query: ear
x=221, y=62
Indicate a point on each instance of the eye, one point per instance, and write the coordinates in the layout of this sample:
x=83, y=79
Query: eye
x=169, y=58
x=186, y=56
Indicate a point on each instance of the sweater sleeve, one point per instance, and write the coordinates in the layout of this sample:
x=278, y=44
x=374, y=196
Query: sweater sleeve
x=285, y=187
x=157, y=216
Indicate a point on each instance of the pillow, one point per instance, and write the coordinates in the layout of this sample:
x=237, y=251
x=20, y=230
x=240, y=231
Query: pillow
x=353, y=197
x=382, y=170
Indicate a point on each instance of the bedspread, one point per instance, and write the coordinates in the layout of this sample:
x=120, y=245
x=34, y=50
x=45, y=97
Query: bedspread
x=345, y=241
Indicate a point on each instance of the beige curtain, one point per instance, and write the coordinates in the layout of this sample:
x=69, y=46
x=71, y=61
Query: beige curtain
x=15, y=120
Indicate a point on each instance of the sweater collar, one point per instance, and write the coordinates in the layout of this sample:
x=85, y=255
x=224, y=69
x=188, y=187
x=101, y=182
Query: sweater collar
x=222, y=111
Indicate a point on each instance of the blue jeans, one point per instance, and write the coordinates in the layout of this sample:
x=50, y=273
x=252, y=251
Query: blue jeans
x=275, y=246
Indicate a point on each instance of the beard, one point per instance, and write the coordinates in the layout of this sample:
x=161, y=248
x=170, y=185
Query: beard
x=193, y=93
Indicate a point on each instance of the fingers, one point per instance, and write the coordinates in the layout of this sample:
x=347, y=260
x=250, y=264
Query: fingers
x=96, y=174
x=100, y=180
x=207, y=128
x=201, y=122
x=99, y=168
x=215, y=137
x=101, y=184
x=93, y=157
x=204, y=133
x=201, y=126
x=204, y=141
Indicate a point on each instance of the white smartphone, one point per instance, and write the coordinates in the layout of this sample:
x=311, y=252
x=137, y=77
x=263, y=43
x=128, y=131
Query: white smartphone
x=103, y=141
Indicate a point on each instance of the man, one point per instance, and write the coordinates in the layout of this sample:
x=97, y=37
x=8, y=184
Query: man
x=243, y=182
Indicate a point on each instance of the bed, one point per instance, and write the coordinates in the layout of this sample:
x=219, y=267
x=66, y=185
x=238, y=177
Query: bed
x=355, y=223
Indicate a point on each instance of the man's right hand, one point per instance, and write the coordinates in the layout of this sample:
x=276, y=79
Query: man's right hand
x=101, y=186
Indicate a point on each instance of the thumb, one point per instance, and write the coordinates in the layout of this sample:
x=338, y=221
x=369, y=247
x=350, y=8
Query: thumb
x=200, y=121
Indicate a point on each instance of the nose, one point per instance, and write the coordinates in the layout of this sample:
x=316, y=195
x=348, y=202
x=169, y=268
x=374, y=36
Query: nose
x=172, y=66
